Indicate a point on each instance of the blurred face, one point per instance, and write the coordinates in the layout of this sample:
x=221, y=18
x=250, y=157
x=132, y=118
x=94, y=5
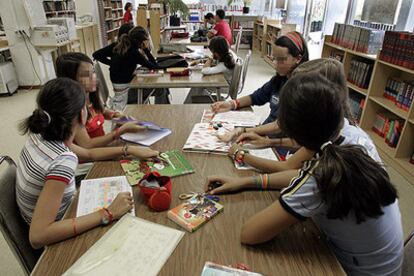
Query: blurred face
x=130, y=8
x=87, y=77
x=283, y=61
x=211, y=21
x=217, y=19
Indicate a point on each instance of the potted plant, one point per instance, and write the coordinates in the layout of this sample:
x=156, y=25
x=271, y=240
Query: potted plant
x=177, y=7
x=246, y=3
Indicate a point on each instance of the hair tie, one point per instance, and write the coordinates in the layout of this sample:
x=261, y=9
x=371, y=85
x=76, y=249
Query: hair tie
x=296, y=40
x=324, y=145
x=49, y=119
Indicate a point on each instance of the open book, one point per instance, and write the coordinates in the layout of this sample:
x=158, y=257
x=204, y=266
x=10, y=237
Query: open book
x=153, y=134
x=203, y=138
x=133, y=246
x=266, y=153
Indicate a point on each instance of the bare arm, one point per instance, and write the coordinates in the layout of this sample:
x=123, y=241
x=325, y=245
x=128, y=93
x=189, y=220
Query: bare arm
x=266, y=224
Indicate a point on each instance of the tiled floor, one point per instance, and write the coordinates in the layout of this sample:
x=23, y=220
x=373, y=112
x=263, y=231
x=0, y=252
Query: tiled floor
x=15, y=108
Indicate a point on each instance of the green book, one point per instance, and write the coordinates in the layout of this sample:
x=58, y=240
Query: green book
x=172, y=163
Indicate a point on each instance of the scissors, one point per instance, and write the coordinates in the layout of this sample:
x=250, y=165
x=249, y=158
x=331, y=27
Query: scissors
x=167, y=159
x=186, y=196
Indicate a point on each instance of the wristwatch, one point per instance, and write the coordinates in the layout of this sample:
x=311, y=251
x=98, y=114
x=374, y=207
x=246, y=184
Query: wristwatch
x=107, y=217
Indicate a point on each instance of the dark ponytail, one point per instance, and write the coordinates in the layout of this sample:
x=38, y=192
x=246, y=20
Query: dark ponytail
x=133, y=39
x=220, y=46
x=59, y=103
x=350, y=181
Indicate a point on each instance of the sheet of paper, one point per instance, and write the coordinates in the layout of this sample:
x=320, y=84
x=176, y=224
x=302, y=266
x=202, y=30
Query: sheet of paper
x=146, y=138
x=203, y=138
x=97, y=193
x=133, y=246
x=266, y=153
x=236, y=118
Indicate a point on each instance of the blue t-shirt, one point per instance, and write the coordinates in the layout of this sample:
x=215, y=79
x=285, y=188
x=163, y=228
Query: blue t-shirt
x=373, y=247
x=269, y=93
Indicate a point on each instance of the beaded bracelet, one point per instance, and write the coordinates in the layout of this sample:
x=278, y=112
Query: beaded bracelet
x=125, y=150
x=261, y=181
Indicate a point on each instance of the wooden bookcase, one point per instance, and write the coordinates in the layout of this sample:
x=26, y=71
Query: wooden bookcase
x=142, y=17
x=59, y=8
x=158, y=23
x=258, y=31
x=247, y=23
x=375, y=102
x=113, y=14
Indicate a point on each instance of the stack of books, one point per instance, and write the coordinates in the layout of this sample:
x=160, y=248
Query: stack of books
x=398, y=48
x=360, y=73
x=356, y=38
x=356, y=104
x=389, y=127
x=401, y=92
x=374, y=25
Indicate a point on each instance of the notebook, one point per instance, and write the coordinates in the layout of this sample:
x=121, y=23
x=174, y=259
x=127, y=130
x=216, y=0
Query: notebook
x=133, y=246
x=94, y=194
x=147, y=137
x=195, y=212
x=176, y=164
x=266, y=153
x=203, y=138
x=213, y=269
x=236, y=118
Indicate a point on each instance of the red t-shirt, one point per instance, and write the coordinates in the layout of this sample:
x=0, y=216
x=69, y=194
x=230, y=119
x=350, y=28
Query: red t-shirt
x=94, y=126
x=222, y=28
x=127, y=17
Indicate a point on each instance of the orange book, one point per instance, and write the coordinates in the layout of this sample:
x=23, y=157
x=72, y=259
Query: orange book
x=193, y=213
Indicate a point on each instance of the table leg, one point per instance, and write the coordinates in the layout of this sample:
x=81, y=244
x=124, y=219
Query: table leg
x=140, y=92
x=218, y=94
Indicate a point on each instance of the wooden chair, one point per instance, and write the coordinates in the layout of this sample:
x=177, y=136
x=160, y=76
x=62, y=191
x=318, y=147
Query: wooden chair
x=14, y=228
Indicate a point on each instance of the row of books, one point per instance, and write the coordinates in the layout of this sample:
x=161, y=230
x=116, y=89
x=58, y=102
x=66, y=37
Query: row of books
x=356, y=104
x=374, y=25
x=50, y=6
x=360, y=73
x=388, y=126
x=398, y=48
x=338, y=55
x=356, y=38
x=400, y=92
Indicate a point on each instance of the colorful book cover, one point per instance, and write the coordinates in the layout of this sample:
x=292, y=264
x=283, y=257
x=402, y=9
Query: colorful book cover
x=193, y=213
x=203, y=138
x=213, y=269
x=172, y=163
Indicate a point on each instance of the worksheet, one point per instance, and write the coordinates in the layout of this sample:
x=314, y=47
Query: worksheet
x=94, y=194
x=133, y=246
x=266, y=153
x=236, y=118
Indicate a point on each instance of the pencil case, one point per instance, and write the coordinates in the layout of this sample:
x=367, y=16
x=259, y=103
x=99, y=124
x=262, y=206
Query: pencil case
x=156, y=190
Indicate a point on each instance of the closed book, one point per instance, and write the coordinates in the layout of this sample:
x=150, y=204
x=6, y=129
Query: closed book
x=195, y=212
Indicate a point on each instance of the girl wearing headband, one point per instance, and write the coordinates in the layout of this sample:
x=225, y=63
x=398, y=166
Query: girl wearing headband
x=289, y=51
x=346, y=192
x=45, y=183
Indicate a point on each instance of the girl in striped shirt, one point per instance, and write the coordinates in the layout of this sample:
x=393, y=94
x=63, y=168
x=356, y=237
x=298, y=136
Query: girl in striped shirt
x=45, y=174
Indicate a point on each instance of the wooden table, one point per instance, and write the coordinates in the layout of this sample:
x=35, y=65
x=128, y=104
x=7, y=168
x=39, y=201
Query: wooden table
x=185, y=41
x=297, y=251
x=196, y=79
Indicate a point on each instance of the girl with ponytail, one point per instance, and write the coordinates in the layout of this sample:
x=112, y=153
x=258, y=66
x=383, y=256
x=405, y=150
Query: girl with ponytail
x=343, y=189
x=132, y=49
x=45, y=183
x=223, y=61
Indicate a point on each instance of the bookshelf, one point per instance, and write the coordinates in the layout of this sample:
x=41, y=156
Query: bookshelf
x=247, y=23
x=113, y=14
x=374, y=102
x=157, y=24
x=59, y=8
x=258, y=31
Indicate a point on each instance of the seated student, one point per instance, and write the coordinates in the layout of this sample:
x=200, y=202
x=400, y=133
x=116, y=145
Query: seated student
x=105, y=56
x=333, y=70
x=79, y=67
x=128, y=14
x=45, y=172
x=347, y=193
x=284, y=171
x=289, y=52
x=209, y=21
x=221, y=28
x=226, y=59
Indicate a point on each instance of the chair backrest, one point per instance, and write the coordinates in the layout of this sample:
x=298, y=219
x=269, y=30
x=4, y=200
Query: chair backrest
x=14, y=228
x=244, y=71
x=238, y=40
x=408, y=264
x=103, y=87
x=236, y=78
